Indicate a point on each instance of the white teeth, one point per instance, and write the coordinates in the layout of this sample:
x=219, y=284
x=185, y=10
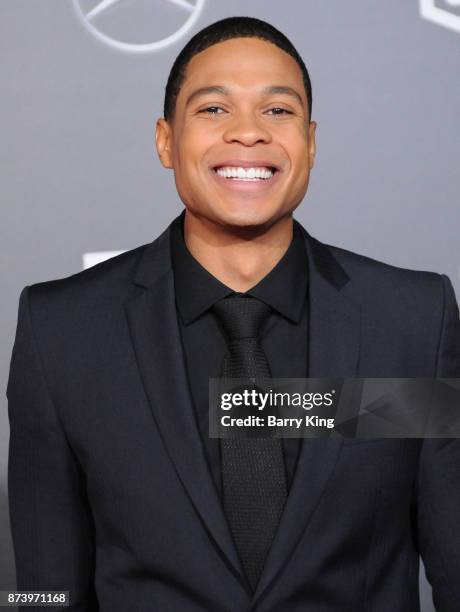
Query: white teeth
x=245, y=173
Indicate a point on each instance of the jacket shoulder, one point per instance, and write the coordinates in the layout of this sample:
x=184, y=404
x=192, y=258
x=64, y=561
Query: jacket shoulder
x=369, y=274
x=98, y=289
x=110, y=272
x=392, y=293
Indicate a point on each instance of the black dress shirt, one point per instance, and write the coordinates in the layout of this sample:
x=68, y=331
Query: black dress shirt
x=283, y=335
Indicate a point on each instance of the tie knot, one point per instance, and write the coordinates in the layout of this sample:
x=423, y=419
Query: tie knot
x=241, y=315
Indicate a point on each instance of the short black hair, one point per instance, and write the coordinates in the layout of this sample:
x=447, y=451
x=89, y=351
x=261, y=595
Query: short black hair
x=219, y=31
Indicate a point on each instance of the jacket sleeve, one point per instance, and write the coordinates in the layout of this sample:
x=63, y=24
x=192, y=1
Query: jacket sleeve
x=50, y=517
x=438, y=507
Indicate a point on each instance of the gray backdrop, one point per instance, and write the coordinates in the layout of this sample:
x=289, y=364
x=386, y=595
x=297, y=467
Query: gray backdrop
x=79, y=170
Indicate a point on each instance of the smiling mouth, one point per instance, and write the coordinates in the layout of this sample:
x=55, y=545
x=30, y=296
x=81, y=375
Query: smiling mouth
x=255, y=174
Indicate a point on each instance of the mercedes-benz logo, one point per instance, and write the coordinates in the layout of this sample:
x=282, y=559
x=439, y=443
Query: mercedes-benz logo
x=138, y=26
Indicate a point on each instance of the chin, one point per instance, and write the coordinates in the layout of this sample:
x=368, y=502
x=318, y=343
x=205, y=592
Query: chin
x=245, y=219
x=244, y=216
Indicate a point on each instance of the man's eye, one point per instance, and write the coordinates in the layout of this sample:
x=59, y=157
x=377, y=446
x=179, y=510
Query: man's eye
x=210, y=110
x=283, y=110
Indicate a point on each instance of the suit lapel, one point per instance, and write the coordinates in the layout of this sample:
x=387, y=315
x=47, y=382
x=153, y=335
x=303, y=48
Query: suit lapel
x=333, y=351
x=157, y=344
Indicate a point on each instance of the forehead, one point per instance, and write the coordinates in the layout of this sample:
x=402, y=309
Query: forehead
x=244, y=62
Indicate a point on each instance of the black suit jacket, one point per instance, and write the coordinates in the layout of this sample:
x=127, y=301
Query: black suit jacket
x=110, y=494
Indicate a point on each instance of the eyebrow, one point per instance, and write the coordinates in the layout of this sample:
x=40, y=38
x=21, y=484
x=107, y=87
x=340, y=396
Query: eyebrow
x=268, y=90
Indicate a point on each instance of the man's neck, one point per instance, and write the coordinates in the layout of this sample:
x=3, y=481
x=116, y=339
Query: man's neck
x=238, y=257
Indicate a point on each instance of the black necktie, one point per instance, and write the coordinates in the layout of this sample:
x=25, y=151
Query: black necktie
x=253, y=472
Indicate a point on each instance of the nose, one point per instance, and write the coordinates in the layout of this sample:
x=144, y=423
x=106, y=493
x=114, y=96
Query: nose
x=246, y=129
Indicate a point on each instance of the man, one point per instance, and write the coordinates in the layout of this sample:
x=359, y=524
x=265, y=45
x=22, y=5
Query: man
x=117, y=492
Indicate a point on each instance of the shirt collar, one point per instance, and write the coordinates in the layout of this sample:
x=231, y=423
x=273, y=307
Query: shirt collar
x=283, y=288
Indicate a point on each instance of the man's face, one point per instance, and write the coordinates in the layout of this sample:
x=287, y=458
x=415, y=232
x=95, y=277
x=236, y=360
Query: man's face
x=241, y=123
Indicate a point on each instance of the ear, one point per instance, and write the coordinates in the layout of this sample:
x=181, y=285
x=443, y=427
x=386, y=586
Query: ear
x=312, y=143
x=163, y=140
